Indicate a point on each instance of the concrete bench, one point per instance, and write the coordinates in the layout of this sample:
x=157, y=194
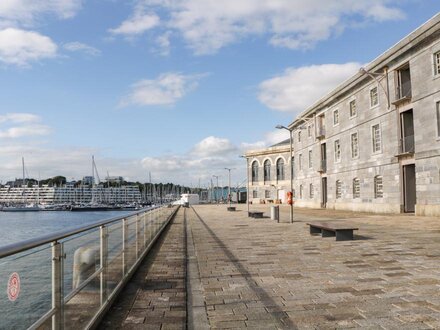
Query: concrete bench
x=255, y=214
x=342, y=231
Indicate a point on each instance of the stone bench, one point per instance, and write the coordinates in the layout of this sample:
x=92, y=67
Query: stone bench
x=342, y=231
x=256, y=215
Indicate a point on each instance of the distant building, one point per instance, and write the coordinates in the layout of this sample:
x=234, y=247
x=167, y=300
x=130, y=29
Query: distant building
x=88, y=180
x=269, y=173
x=69, y=194
x=115, y=179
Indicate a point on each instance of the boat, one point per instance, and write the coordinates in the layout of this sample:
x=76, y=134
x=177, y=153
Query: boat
x=21, y=208
x=94, y=207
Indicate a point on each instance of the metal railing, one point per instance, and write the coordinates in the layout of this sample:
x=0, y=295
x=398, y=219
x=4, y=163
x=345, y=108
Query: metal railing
x=69, y=279
x=406, y=144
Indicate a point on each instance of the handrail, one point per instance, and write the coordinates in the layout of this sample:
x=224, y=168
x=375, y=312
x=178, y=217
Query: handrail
x=10, y=249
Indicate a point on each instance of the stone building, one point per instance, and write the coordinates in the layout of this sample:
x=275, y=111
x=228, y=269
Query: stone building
x=269, y=173
x=373, y=143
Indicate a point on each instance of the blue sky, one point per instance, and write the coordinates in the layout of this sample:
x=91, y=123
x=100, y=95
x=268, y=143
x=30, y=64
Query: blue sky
x=176, y=87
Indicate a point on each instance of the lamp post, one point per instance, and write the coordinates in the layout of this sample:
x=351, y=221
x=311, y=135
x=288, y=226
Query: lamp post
x=216, y=197
x=291, y=166
x=229, y=184
x=247, y=180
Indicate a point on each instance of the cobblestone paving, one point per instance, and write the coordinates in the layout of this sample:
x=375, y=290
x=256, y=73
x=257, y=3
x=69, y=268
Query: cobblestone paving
x=156, y=296
x=262, y=274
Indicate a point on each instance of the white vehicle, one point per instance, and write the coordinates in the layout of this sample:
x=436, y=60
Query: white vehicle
x=191, y=199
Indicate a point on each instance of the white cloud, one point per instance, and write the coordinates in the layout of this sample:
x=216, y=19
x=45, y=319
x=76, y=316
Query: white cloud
x=164, y=44
x=269, y=139
x=137, y=25
x=214, y=146
x=167, y=89
x=19, y=117
x=298, y=88
x=208, y=157
x=19, y=125
x=24, y=131
x=26, y=12
x=80, y=47
x=208, y=25
x=20, y=47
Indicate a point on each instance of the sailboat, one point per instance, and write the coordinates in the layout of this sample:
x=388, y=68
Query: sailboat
x=23, y=207
x=93, y=205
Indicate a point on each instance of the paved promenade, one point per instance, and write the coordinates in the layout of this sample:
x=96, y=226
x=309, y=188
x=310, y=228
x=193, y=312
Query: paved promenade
x=266, y=275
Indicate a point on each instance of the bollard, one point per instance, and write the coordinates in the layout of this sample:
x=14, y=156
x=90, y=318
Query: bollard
x=275, y=213
x=86, y=260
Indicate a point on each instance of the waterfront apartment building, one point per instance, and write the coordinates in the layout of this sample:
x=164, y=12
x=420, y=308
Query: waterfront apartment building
x=373, y=143
x=269, y=173
x=69, y=194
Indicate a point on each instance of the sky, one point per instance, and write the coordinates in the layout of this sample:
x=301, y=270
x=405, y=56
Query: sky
x=178, y=88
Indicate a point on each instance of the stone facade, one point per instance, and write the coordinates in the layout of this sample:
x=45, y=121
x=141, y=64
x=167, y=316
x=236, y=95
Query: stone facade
x=274, y=187
x=375, y=140
x=373, y=143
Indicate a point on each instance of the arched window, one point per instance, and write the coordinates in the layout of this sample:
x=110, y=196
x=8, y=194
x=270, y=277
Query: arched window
x=267, y=171
x=255, y=172
x=378, y=187
x=280, y=169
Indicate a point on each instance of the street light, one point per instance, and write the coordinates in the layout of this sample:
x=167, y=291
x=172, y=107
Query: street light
x=291, y=166
x=229, y=184
x=247, y=180
x=216, y=198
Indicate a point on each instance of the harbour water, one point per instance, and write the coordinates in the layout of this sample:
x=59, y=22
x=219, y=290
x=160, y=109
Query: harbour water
x=19, y=226
x=34, y=266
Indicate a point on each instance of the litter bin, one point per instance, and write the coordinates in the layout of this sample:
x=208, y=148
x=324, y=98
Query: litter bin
x=275, y=213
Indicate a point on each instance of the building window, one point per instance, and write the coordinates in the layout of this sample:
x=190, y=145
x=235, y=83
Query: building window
x=299, y=136
x=374, y=97
x=300, y=162
x=300, y=191
x=437, y=63
x=280, y=169
x=309, y=131
x=356, y=188
x=267, y=194
x=255, y=172
x=266, y=171
x=310, y=159
x=352, y=105
x=254, y=194
x=337, y=151
x=336, y=117
x=378, y=187
x=377, y=143
x=311, y=191
x=338, y=189
x=438, y=119
x=354, y=145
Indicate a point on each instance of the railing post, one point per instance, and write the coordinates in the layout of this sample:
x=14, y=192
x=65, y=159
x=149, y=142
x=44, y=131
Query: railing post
x=137, y=237
x=57, y=285
x=104, y=263
x=145, y=228
x=124, y=245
